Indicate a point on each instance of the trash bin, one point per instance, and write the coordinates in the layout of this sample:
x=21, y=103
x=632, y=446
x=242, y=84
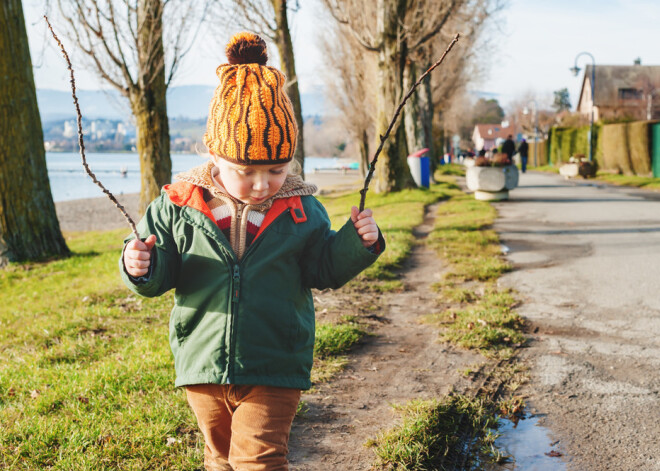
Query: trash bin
x=420, y=167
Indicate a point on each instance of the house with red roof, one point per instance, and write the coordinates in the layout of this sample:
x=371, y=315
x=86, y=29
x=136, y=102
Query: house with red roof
x=489, y=136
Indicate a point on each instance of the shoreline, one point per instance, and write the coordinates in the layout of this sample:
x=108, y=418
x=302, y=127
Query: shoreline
x=99, y=214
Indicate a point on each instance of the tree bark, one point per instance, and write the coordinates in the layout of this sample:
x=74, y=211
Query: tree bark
x=149, y=104
x=392, y=172
x=413, y=115
x=364, y=154
x=419, y=112
x=288, y=65
x=29, y=228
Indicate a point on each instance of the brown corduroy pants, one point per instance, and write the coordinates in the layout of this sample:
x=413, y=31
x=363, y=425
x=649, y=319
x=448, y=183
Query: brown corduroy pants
x=246, y=428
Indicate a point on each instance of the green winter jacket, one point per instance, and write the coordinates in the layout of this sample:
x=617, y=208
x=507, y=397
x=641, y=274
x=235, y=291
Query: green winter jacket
x=247, y=322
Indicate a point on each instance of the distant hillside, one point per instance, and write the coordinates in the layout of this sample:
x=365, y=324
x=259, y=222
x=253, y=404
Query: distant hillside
x=190, y=101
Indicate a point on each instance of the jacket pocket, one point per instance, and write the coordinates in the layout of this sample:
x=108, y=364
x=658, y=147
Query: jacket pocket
x=186, y=319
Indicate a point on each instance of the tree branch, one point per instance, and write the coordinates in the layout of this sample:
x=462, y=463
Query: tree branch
x=81, y=141
x=372, y=166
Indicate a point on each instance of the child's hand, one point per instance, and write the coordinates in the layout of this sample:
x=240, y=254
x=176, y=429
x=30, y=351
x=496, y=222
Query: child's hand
x=365, y=225
x=137, y=256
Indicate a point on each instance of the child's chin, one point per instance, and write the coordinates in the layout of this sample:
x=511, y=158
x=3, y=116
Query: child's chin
x=256, y=200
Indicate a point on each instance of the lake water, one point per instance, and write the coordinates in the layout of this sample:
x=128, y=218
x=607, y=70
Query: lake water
x=68, y=180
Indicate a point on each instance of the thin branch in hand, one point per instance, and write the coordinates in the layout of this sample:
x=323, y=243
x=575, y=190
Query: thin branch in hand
x=372, y=166
x=81, y=142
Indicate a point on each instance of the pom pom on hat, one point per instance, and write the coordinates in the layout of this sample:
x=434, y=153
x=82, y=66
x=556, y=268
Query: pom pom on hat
x=246, y=48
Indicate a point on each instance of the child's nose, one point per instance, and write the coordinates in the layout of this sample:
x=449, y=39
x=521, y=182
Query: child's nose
x=261, y=182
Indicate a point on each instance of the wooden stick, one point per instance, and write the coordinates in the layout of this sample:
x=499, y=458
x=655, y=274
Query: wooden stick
x=372, y=166
x=81, y=142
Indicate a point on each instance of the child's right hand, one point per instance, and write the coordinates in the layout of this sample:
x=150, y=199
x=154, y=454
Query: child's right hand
x=137, y=256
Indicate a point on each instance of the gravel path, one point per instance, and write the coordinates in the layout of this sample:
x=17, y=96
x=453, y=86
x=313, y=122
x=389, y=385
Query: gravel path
x=587, y=265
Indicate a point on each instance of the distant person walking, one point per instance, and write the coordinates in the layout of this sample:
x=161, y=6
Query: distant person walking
x=523, y=150
x=509, y=147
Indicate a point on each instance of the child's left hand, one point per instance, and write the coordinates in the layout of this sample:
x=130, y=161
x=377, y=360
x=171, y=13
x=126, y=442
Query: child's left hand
x=365, y=225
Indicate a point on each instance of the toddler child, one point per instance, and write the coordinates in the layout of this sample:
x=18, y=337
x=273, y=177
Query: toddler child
x=242, y=242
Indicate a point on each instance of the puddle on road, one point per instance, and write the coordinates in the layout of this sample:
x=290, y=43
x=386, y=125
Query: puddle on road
x=527, y=444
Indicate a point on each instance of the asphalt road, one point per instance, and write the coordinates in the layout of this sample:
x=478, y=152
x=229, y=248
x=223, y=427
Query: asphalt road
x=587, y=269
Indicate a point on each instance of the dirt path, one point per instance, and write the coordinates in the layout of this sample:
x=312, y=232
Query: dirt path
x=403, y=360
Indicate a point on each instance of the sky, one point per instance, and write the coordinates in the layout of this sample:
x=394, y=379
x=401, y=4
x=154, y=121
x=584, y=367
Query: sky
x=535, y=42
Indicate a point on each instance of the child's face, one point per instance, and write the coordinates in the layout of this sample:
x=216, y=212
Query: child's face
x=251, y=184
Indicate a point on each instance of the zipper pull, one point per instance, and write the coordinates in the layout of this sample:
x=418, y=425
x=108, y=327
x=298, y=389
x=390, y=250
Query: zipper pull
x=236, y=284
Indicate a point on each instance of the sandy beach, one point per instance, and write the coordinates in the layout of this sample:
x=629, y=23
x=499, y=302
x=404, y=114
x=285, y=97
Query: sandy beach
x=98, y=214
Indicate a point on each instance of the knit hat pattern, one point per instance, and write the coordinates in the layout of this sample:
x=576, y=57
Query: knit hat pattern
x=251, y=119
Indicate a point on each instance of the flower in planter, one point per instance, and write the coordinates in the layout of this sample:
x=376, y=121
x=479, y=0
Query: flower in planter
x=482, y=161
x=501, y=160
x=498, y=160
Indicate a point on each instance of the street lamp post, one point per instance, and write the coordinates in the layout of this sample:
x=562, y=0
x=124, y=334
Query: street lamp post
x=536, y=128
x=576, y=70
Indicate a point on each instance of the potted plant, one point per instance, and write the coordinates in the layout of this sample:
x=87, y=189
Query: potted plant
x=491, y=179
x=578, y=165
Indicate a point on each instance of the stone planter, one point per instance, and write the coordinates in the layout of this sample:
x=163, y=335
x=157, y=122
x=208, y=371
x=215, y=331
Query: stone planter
x=492, y=183
x=569, y=170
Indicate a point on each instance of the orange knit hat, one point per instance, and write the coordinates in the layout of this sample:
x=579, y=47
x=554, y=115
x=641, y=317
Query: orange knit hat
x=251, y=119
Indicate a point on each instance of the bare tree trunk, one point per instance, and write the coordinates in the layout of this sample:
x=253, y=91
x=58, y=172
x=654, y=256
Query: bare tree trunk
x=419, y=119
x=153, y=144
x=425, y=100
x=413, y=118
x=285, y=48
x=392, y=172
x=28, y=223
x=149, y=105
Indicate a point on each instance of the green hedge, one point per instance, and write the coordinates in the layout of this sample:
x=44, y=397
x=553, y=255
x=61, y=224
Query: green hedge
x=615, y=148
x=639, y=146
x=620, y=147
x=541, y=155
x=566, y=142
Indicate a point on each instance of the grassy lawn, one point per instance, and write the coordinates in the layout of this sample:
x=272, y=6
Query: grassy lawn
x=545, y=168
x=476, y=314
x=86, y=374
x=648, y=183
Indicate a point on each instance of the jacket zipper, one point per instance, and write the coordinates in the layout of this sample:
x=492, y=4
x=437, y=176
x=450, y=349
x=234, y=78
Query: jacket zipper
x=235, y=295
x=236, y=292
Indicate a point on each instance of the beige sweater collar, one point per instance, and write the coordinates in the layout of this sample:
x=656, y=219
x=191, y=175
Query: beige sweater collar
x=207, y=176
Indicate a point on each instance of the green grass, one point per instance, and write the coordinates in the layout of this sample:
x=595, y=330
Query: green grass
x=433, y=434
x=86, y=376
x=648, y=183
x=396, y=214
x=464, y=238
x=450, y=169
x=335, y=339
x=488, y=325
x=545, y=168
x=332, y=343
